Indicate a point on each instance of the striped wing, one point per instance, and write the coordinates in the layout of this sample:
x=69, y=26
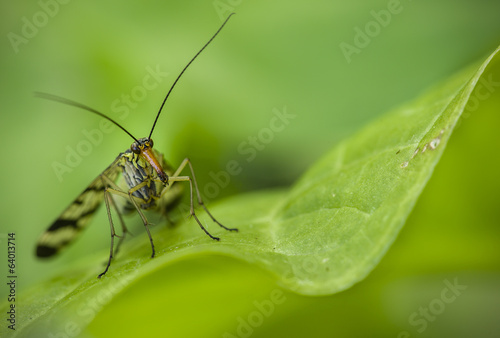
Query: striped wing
x=76, y=216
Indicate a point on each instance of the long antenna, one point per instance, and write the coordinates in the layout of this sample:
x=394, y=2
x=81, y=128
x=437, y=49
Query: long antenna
x=182, y=72
x=82, y=106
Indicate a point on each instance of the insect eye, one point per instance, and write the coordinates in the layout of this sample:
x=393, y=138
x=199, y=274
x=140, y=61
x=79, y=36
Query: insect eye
x=135, y=148
x=151, y=143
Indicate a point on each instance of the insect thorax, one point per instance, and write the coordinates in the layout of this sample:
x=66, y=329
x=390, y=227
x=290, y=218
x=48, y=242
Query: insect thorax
x=137, y=171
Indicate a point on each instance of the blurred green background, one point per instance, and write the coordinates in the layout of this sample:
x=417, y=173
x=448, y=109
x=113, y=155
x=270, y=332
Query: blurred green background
x=271, y=55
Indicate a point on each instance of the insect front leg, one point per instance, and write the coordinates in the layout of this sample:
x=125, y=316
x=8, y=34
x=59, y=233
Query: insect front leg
x=191, y=180
x=141, y=214
x=124, y=228
x=107, y=198
x=129, y=196
x=113, y=189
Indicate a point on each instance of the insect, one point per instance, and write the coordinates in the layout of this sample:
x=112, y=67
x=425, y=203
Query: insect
x=147, y=182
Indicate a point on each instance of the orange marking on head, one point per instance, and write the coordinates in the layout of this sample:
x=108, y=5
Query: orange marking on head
x=148, y=155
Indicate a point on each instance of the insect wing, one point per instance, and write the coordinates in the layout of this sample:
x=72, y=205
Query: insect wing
x=76, y=216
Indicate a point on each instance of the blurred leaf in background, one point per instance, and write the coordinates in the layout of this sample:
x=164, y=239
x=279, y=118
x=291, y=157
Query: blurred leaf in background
x=272, y=55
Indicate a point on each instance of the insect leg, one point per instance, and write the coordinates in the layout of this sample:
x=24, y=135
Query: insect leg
x=107, y=197
x=117, y=191
x=192, y=180
x=124, y=228
x=144, y=220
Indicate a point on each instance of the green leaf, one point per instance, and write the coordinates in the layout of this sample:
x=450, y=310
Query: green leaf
x=320, y=237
